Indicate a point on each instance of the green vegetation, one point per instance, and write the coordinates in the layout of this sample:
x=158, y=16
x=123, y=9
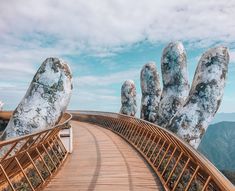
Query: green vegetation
x=218, y=145
x=22, y=185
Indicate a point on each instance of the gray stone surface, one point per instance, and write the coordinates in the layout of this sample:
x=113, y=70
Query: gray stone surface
x=151, y=92
x=205, y=96
x=175, y=82
x=44, y=102
x=128, y=98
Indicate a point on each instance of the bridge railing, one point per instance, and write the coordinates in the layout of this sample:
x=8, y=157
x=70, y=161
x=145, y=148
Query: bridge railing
x=177, y=164
x=28, y=162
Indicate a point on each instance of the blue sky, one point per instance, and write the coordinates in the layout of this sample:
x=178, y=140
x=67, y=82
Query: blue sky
x=106, y=42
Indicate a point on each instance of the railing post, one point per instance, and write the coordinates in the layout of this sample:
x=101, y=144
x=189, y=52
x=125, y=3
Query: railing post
x=49, y=156
x=159, y=152
x=191, y=179
x=26, y=177
x=173, y=168
x=23, y=153
x=164, y=156
x=162, y=149
x=206, y=183
x=51, y=147
x=130, y=132
x=35, y=167
x=153, y=141
x=178, y=179
x=8, y=180
x=159, y=140
x=66, y=136
x=43, y=161
x=169, y=160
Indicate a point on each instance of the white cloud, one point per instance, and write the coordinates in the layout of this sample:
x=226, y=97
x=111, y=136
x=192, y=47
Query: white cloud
x=32, y=30
x=117, y=22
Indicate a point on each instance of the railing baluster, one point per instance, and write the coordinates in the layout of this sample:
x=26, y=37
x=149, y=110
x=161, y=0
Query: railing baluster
x=128, y=127
x=206, y=183
x=155, y=148
x=49, y=156
x=174, y=168
x=120, y=127
x=51, y=147
x=35, y=167
x=26, y=177
x=129, y=132
x=132, y=133
x=159, y=152
x=125, y=129
x=140, y=139
x=114, y=127
x=144, y=139
x=8, y=180
x=153, y=141
x=137, y=136
x=164, y=156
x=169, y=160
x=192, y=177
x=182, y=172
x=149, y=139
x=43, y=161
x=55, y=145
x=136, y=132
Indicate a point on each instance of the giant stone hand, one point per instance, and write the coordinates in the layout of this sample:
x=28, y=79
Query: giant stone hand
x=44, y=102
x=188, y=113
x=128, y=98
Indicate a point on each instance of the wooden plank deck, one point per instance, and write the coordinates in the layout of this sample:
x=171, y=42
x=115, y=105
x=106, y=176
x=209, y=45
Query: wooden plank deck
x=101, y=160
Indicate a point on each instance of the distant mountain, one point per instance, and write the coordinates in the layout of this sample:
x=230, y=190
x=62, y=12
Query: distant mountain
x=219, y=117
x=218, y=145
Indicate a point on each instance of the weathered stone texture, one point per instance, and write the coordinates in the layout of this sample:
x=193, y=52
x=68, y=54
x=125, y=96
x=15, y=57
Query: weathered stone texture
x=128, y=98
x=45, y=100
x=205, y=96
x=175, y=82
x=151, y=92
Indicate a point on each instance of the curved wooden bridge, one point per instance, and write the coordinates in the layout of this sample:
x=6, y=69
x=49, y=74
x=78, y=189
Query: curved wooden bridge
x=110, y=152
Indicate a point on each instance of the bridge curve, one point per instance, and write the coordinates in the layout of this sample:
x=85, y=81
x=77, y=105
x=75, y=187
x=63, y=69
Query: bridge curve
x=42, y=159
x=102, y=160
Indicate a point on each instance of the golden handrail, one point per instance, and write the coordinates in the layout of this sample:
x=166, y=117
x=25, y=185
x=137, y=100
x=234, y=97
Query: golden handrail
x=29, y=161
x=177, y=164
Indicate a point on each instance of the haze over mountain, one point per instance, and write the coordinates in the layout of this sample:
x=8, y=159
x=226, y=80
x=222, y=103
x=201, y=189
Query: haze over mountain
x=219, y=117
x=218, y=145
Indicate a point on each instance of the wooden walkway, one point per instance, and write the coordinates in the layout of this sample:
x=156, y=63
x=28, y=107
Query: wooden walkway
x=101, y=160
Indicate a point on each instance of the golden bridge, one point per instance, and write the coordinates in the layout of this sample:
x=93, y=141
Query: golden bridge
x=104, y=151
